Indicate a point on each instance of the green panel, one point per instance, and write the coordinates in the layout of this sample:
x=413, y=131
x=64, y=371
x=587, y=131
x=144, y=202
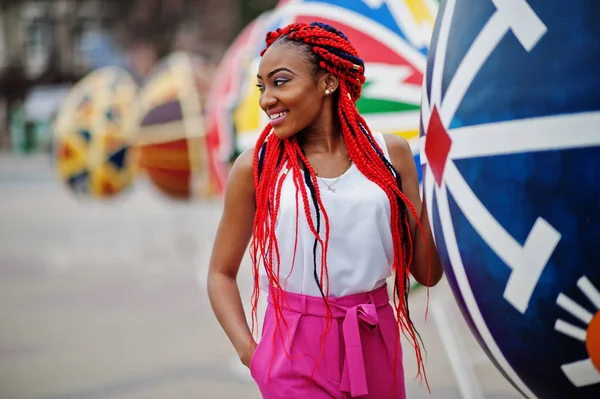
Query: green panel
x=376, y=106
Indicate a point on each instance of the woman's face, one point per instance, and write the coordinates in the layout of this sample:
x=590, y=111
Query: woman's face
x=289, y=92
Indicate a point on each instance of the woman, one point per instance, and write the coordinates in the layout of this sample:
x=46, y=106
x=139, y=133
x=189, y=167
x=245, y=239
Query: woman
x=332, y=210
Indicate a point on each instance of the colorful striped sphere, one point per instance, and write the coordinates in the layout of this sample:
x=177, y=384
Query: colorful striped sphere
x=392, y=39
x=171, y=136
x=223, y=97
x=92, y=146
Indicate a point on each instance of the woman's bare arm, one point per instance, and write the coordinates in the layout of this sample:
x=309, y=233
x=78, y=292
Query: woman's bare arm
x=402, y=159
x=231, y=241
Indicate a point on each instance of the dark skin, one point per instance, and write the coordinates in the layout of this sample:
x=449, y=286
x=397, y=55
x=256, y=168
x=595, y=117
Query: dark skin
x=287, y=83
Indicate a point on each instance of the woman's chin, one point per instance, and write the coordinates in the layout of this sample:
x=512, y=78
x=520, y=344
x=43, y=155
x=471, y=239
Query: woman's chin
x=282, y=133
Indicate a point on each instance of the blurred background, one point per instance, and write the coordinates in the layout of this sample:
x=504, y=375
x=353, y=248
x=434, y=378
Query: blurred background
x=117, y=128
x=47, y=46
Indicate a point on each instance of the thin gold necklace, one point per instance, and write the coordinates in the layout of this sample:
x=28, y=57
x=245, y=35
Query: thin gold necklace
x=330, y=186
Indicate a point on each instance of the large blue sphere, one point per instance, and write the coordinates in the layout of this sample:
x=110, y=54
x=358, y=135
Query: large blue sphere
x=511, y=156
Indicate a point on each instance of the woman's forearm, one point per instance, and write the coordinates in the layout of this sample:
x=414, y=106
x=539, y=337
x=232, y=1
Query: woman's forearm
x=226, y=302
x=426, y=267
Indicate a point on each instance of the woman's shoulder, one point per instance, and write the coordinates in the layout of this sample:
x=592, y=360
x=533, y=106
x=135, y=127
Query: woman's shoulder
x=242, y=171
x=245, y=161
x=398, y=148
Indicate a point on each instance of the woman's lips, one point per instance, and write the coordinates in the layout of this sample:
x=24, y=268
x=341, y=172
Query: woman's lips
x=278, y=118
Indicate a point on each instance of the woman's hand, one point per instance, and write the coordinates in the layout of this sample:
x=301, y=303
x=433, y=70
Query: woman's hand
x=246, y=356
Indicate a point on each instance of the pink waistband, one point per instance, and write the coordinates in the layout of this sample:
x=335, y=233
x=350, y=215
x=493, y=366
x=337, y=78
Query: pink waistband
x=353, y=309
x=315, y=306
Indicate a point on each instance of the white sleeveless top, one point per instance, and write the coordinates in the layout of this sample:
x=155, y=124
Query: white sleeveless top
x=360, y=252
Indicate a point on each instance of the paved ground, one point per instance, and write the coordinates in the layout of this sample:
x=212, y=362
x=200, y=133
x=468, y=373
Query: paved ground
x=104, y=300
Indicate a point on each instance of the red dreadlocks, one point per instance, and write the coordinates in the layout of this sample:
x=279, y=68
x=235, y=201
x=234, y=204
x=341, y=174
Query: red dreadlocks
x=332, y=52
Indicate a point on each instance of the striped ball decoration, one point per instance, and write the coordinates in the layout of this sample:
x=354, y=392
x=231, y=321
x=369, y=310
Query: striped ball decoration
x=511, y=155
x=392, y=38
x=171, y=136
x=223, y=97
x=92, y=145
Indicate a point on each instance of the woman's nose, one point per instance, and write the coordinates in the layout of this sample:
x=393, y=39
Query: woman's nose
x=267, y=100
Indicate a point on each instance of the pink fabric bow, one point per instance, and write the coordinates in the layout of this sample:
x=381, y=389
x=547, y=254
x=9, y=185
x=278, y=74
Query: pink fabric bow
x=354, y=379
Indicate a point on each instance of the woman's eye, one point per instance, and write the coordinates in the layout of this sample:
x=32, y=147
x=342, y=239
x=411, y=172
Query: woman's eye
x=261, y=88
x=279, y=82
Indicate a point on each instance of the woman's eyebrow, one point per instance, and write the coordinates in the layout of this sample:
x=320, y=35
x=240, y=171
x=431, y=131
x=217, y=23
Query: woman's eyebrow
x=274, y=71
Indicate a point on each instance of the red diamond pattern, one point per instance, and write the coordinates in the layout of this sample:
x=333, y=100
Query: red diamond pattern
x=437, y=146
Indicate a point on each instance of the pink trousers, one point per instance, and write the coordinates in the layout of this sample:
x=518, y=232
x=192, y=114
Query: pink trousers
x=355, y=359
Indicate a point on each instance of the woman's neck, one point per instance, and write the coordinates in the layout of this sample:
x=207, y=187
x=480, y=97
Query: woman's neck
x=322, y=138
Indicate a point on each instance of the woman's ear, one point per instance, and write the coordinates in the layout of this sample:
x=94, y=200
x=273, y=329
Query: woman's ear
x=330, y=83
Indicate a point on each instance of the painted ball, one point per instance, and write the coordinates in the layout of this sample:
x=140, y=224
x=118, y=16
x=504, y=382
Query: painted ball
x=511, y=160
x=171, y=135
x=392, y=39
x=92, y=135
